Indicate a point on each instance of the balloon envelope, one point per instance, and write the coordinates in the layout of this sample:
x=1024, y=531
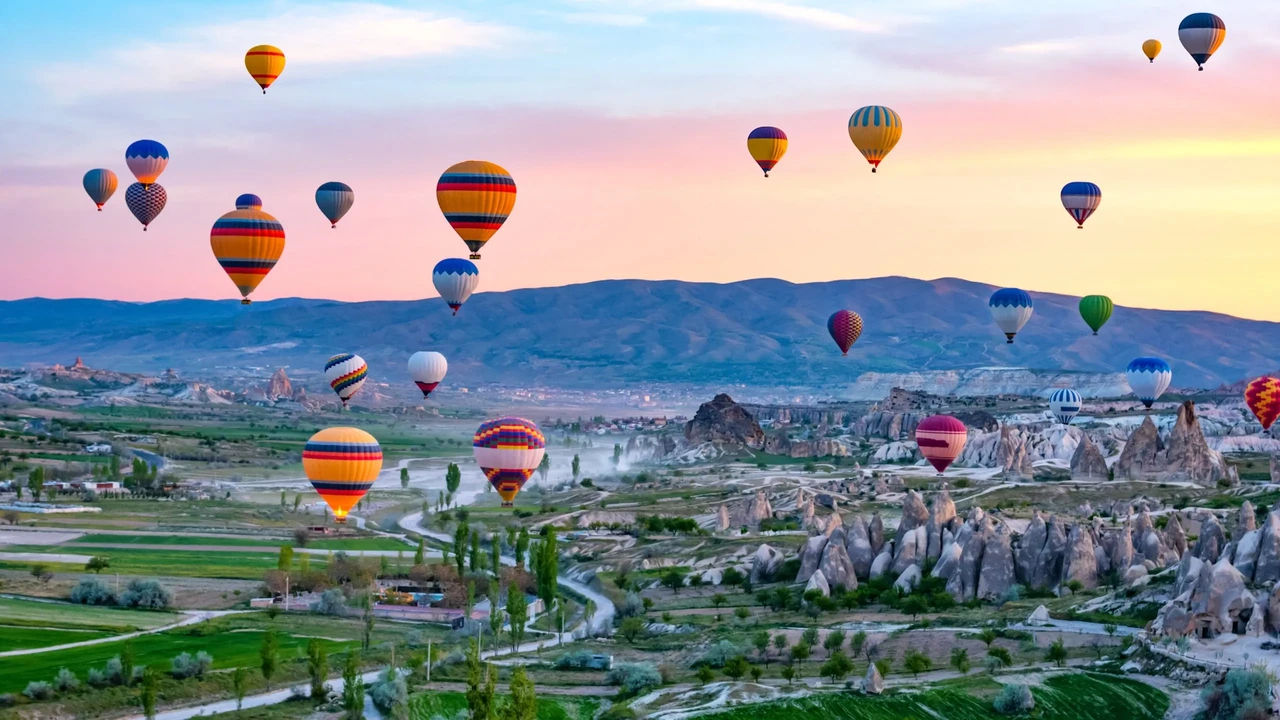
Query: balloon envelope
x=346, y=374
x=264, y=63
x=342, y=463
x=476, y=198
x=1201, y=35
x=1096, y=310
x=334, y=200
x=1081, y=199
x=146, y=160
x=101, y=184
x=1263, y=398
x=875, y=130
x=427, y=370
x=508, y=450
x=247, y=243
x=1064, y=403
x=1148, y=377
x=455, y=279
x=940, y=439
x=845, y=327
x=767, y=145
x=145, y=202
x=1151, y=48
x=1011, y=308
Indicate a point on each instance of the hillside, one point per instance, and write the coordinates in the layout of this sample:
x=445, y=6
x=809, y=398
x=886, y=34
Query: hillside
x=763, y=332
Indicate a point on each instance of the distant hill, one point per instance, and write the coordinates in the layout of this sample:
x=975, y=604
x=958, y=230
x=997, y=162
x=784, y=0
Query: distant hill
x=600, y=334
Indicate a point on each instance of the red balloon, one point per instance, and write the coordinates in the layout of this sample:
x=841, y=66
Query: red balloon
x=845, y=326
x=1263, y=398
x=940, y=439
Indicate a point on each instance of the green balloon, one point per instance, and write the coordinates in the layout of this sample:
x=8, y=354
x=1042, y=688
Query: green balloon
x=1096, y=310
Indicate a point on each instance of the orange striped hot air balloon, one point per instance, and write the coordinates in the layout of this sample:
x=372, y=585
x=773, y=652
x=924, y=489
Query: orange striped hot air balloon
x=476, y=197
x=264, y=63
x=508, y=450
x=1263, y=398
x=247, y=243
x=342, y=463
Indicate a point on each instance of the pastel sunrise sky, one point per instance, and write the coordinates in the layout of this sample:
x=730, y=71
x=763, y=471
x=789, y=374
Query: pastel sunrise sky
x=624, y=125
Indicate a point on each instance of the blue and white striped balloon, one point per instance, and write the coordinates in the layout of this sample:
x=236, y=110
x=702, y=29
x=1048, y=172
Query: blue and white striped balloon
x=1081, y=199
x=1148, y=377
x=334, y=200
x=1011, y=308
x=455, y=279
x=1064, y=403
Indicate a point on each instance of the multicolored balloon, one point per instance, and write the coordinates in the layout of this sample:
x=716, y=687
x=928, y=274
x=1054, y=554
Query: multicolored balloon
x=1096, y=311
x=767, y=145
x=874, y=130
x=1263, y=398
x=264, y=63
x=1148, y=377
x=101, y=184
x=476, y=198
x=346, y=374
x=1011, y=308
x=1065, y=403
x=845, y=327
x=508, y=450
x=1151, y=48
x=1202, y=34
x=247, y=243
x=427, y=370
x=145, y=202
x=146, y=160
x=455, y=279
x=1081, y=199
x=342, y=464
x=334, y=200
x=941, y=438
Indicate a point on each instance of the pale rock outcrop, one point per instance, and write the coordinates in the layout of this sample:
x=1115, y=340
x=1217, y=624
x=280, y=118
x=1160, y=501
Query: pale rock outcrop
x=948, y=560
x=1048, y=567
x=858, y=545
x=1268, y=566
x=1212, y=539
x=1246, y=520
x=807, y=518
x=836, y=566
x=911, y=549
x=997, y=574
x=941, y=513
x=818, y=582
x=811, y=557
x=1141, y=454
x=1029, y=548
x=963, y=583
x=1080, y=563
x=1187, y=452
x=757, y=509
x=722, y=420
x=1275, y=469
x=914, y=515
x=1273, y=609
x=1245, y=557
x=713, y=576
x=1135, y=575
x=722, y=519
x=1122, y=554
x=1088, y=461
x=1255, y=626
x=873, y=683
x=1039, y=616
x=875, y=531
x=909, y=579
x=1221, y=595
x=764, y=561
x=1175, y=536
x=881, y=564
x=834, y=523
x=1011, y=454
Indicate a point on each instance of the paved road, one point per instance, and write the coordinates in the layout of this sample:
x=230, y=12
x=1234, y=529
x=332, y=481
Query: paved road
x=192, y=618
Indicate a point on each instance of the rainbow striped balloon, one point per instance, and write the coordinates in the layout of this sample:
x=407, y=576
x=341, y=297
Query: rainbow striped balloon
x=767, y=145
x=247, y=243
x=508, y=450
x=346, y=374
x=342, y=463
x=476, y=197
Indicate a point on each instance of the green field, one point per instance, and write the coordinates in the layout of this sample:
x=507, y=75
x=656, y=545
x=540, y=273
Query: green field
x=22, y=638
x=447, y=704
x=172, y=563
x=1078, y=696
x=360, y=543
x=229, y=649
x=37, y=614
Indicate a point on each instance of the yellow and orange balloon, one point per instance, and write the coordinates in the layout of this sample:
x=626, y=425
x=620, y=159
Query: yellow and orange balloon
x=476, y=198
x=264, y=63
x=247, y=243
x=342, y=463
x=875, y=130
x=767, y=145
x=1151, y=48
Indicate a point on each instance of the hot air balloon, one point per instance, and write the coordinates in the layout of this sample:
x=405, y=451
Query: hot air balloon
x=427, y=370
x=1096, y=310
x=874, y=130
x=342, y=463
x=346, y=374
x=1011, y=308
x=1202, y=34
x=146, y=160
x=940, y=439
x=101, y=184
x=145, y=203
x=334, y=200
x=1064, y=403
x=1081, y=199
x=508, y=450
x=455, y=279
x=247, y=243
x=845, y=326
x=476, y=197
x=264, y=63
x=767, y=145
x=1148, y=377
x=1151, y=48
x=1263, y=398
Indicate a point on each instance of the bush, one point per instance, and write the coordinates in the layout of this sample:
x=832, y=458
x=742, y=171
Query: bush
x=66, y=680
x=146, y=595
x=390, y=691
x=576, y=660
x=97, y=678
x=1014, y=700
x=632, y=606
x=634, y=678
x=38, y=690
x=1244, y=695
x=113, y=672
x=331, y=602
x=184, y=666
x=7, y=699
x=91, y=591
x=719, y=654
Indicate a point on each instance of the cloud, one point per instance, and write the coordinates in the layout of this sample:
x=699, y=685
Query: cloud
x=1046, y=47
x=597, y=18
x=792, y=12
x=315, y=35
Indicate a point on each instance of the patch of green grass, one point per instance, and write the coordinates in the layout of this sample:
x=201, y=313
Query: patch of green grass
x=38, y=614
x=447, y=704
x=172, y=563
x=22, y=638
x=359, y=543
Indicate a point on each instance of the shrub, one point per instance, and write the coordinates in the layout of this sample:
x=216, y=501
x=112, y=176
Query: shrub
x=634, y=678
x=91, y=591
x=1245, y=694
x=66, y=680
x=147, y=595
x=719, y=654
x=331, y=602
x=184, y=666
x=97, y=678
x=1014, y=700
x=575, y=660
x=631, y=606
x=7, y=699
x=38, y=690
x=390, y=691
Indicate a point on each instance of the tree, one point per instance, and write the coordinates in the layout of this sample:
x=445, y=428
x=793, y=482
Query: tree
x=97, y=564
x=517, y=614
x=352, y=687
x=834, y=641
x=40, y=571
x=809, y=636
x=548, y=566
x=987, y=636
x=856, y=642
x=674, y=580
x=800, y=652
x=1244, y=695
x=1057, y=653
x=480, y=686
x=269, y=654
x=297, y=500
x=366, y=638
x=576, y=466
x=318, y=669
x=705, y=674
x=1110, y=629
x=914, y=605
x=420, y=555
x=522, y=546
x=460, y=537
x=960, y=660
x=496, y=618
x=239, y=681
x=1014, y=700
x=780, y=643
x=836, y=667
x=404, y=478
x=495, y=554
x=733, y=578
x=473, y=556
x=617, y=454
x=631, y=629
x=126, y=663
x=788, y=673
x=884, y=667
x=285, y=561
x=736, y=667
x=282, y=500
x=35, y=482
x=544, y=467
x=719, y=600
x=150, y=682
x=452, y=480
x=1001, y=657
x=916, y=662
x=761, y=641
x=1075, y=586
x=741, y=612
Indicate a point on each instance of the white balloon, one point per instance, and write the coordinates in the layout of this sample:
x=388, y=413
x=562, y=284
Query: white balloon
x=427, y=369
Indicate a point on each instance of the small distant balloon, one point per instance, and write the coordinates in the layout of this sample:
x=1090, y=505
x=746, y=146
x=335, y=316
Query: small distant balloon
x=1151, y=48
x=1011, y=308
x=264, y=63
x=455, y=279
x=1263, y=398
x=875, y=130
x=427, y=370
x=145, y=202
x=1081, y=199
x=845, y=327
x=941, y=438
x=346, y=374
x=1096, y=310
x=1148, y=377
x=334, y=200
x=767, y=145
x=146, y=159
x=1202, y=34
x=1065, y=403
x=101, y=184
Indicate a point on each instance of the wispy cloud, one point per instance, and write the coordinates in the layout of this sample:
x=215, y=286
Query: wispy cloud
x=336, y=33
x=600, y=18
x=1047, y=47
x=791, y=12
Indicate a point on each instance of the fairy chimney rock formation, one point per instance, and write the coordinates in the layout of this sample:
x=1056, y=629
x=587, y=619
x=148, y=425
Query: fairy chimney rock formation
x=724, y=421
x=1087, y=461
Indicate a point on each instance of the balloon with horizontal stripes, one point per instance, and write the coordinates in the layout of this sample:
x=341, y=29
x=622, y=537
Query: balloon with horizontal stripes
x=346, y=374
x=342, y=464
x=767, y=145
x=1081, y=199
x=508, y=450
x=145, y=202
x=476, y=198
x=875, y=130
x=334, y=200
x=1064, y=403
x=941, y=438
x=427, y=368
x=101, y=184
x=247, y=243
x=264, y=63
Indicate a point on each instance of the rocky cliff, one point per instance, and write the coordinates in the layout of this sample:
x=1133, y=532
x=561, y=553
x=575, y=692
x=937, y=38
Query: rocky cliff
x=724, y=421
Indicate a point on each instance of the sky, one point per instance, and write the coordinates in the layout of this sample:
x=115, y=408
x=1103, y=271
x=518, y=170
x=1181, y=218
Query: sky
x=624, y=124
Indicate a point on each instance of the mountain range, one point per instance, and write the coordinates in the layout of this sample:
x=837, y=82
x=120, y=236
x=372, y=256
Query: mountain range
x=600, y=334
